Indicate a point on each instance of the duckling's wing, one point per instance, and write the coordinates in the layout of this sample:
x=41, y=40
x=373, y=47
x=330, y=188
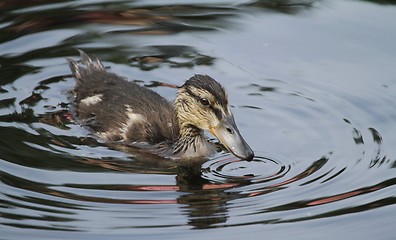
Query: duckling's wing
x=119, y=110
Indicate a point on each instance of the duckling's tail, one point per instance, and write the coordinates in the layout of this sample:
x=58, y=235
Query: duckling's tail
x=86, y=65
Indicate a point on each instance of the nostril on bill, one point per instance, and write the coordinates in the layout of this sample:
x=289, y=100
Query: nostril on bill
x=230, y=130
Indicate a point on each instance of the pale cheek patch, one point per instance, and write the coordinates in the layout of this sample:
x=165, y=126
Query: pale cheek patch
x=92, y=100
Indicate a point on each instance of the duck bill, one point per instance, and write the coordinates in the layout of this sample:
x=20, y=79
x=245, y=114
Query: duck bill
x=228, y=134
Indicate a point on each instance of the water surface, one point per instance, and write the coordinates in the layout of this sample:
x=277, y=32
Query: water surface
x=312, y=85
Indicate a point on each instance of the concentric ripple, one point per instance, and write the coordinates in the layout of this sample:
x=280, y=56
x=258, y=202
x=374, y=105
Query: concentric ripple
x=231, y=169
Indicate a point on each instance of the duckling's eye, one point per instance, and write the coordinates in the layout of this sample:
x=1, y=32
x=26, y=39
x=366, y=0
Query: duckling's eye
x=204, y=101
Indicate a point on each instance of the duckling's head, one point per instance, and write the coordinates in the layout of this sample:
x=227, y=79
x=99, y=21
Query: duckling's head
x=203, y=103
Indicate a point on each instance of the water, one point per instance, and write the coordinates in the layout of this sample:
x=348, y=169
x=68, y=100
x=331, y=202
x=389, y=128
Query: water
x=312, y=86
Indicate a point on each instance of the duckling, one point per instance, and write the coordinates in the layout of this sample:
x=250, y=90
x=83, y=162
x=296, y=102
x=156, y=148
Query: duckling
x=119, y=111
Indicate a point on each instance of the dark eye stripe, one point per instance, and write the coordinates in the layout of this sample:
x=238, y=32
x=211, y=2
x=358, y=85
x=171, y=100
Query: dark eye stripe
x=216, y=111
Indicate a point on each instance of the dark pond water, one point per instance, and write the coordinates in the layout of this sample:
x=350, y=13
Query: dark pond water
x=312, y=85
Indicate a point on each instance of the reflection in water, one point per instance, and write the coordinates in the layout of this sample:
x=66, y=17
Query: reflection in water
x=160, y=55
x=333, y=158
x=204, y=202
x=285, y=6
x=339, y=197
x=382, y=1
x=152, y=19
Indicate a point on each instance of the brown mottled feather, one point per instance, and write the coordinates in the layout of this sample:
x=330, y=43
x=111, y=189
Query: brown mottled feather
x=117, y=92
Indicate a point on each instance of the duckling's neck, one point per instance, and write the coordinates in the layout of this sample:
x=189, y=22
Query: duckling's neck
x=192, y=143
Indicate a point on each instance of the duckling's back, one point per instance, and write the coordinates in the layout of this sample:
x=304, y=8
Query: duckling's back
x=119, y=110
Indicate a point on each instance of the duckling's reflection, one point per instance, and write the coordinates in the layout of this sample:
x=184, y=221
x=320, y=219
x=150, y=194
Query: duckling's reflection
x=204, y=202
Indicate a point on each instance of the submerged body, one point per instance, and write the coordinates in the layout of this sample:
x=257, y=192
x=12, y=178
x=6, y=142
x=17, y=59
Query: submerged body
x=117, y=110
